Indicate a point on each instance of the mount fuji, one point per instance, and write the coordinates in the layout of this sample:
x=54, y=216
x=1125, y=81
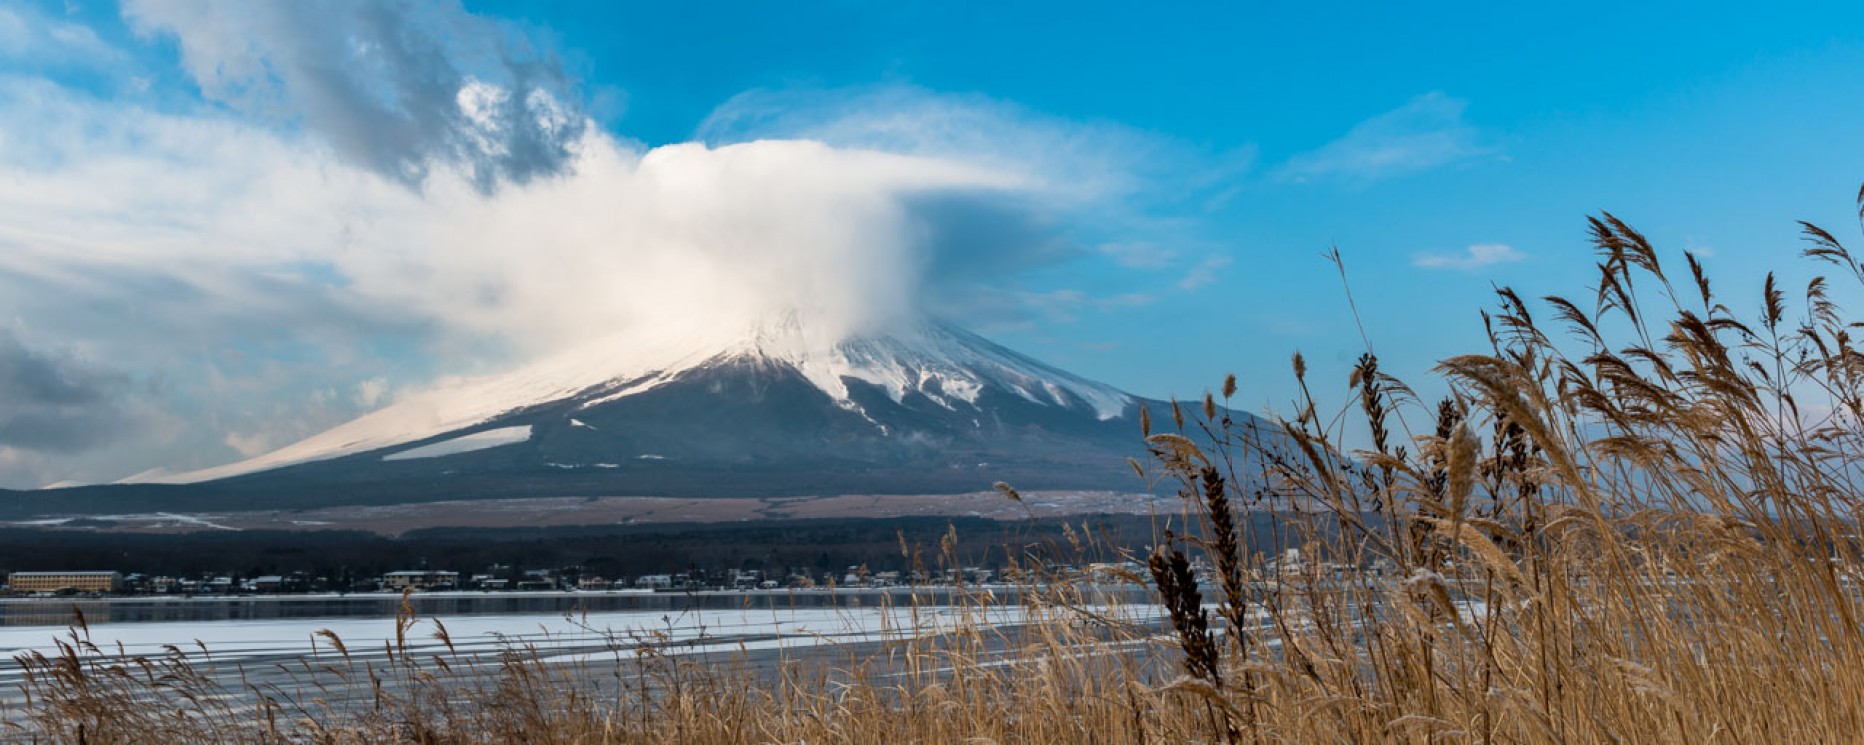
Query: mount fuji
x=781, y=408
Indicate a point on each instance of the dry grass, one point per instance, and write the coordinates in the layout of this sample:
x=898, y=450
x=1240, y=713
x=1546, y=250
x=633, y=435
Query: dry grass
x=1644, y=533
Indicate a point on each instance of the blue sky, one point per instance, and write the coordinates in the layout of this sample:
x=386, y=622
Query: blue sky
x=228, y=226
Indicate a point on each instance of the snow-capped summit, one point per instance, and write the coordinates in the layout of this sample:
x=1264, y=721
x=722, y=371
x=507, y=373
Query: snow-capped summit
x=945, y=365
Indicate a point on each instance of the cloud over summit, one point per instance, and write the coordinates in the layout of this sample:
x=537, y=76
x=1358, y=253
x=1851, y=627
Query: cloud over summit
x=267, y=271
x=378, y=195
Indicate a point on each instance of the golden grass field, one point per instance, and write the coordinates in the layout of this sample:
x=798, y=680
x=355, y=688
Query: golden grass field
x=1634, y=520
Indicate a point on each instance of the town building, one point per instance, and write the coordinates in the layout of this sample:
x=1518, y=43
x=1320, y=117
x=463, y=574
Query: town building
x=654, y=581
x=28, y=582
x=420, y=579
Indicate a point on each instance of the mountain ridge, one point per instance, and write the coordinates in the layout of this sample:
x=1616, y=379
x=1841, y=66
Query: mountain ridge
x=938, y=360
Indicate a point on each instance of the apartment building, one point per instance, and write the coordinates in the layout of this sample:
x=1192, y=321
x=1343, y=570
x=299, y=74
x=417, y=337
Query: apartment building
x=27, y=582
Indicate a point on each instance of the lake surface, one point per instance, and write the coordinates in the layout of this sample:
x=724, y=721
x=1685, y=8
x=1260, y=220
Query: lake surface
x=261, y=639
x=156, y=609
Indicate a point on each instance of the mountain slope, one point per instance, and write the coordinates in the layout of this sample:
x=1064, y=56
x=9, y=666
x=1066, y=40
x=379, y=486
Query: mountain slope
x=941, y=364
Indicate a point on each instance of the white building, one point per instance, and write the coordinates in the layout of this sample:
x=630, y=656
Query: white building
x=654, y=581
x=420, y=579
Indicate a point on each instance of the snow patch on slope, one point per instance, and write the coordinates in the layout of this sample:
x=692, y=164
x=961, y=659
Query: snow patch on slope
x=490, y=438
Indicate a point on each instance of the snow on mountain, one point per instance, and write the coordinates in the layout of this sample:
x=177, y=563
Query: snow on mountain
x=947, y=365
x=487, y=439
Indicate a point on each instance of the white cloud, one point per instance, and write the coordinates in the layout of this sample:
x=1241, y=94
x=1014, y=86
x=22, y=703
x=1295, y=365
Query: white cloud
x=1104, y=163
x=1426, y=133
x=1070, y=178
x=263, y=227
x=393, y=86
x=1475, y=257
x=1067, y=159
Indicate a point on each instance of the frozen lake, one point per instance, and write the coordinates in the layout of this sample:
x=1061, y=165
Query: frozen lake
x=758, y=630
x=687, y=631
x=157, y=608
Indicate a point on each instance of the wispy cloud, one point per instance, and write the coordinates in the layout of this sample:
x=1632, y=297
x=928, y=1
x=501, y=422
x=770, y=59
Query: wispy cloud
x=1087, y=161
x=371, y=392
x=1427, y=133
x=1120, y=170
x=1472, y=258
x=1139, y=255
x=31, y=37
x=1204, y=273
x=1066, y=305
